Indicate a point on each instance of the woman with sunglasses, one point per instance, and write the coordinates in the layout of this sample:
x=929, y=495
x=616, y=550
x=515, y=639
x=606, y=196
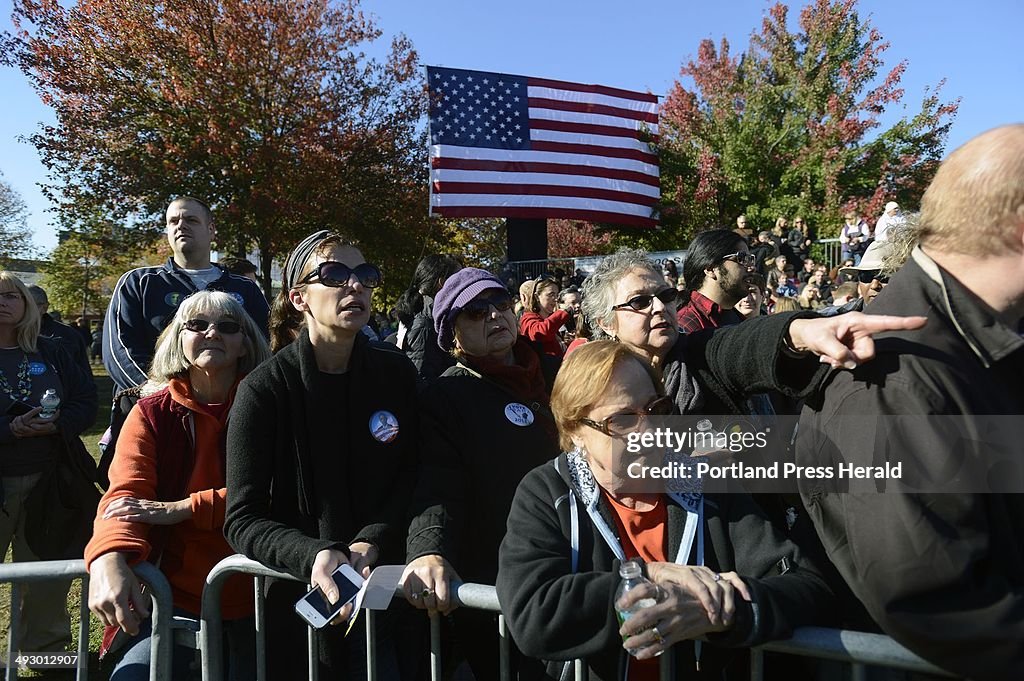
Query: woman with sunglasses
x=717, y=567
x=322, y=452
x=485, y=425
x=165, y=503
x=715, y=371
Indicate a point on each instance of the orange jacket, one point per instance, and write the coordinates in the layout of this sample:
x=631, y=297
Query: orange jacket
x=192, y=547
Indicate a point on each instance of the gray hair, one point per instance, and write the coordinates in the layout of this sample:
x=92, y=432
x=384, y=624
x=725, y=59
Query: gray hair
x=599, y=288
x=169, y=360
x=903, y=237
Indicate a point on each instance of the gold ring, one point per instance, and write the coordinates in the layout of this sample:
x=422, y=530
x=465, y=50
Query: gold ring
x=718, y=577
x=657, y=635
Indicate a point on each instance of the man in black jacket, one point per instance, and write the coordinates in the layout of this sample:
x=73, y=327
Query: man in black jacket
x=943, y=574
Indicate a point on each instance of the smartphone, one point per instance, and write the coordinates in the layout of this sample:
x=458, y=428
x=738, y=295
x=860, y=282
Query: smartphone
x=317, y=610
x=19, y=408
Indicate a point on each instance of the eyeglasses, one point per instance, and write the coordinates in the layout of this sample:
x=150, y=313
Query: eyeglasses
x=867, y=276
x=337, y=274
x=624, y=424
x=224, y=326
x=640, y=303
x=477, y=309
x=743, y=259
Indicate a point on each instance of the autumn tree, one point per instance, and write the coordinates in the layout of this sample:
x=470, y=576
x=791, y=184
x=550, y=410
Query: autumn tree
x=267, y=109
x=15, y=237
x=793, y=126
x=568, y=238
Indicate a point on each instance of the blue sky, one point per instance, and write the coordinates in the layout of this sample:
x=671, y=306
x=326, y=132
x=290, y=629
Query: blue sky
x=975, y=46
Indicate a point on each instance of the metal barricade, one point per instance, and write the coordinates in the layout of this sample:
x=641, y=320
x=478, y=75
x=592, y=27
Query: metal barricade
x=829, y=252
x=859, y=649
x=51, y=570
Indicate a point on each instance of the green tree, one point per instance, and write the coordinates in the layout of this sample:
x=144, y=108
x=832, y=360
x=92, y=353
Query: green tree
x=15, y=236
x=267, y=109
x=83, y=268
x=792, y=126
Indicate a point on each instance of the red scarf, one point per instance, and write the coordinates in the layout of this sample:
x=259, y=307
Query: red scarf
x=523, y=378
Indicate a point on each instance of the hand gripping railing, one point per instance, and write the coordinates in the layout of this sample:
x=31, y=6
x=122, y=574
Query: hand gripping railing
x=53, y=570
x=211, y=631
x=857, y=648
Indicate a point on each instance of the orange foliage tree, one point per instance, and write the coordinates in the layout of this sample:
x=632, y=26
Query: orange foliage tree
x=267, y=109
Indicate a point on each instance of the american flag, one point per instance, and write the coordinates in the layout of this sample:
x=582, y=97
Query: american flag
x=511, y=146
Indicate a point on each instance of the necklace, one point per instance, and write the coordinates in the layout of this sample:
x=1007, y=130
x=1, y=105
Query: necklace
x=24, y=382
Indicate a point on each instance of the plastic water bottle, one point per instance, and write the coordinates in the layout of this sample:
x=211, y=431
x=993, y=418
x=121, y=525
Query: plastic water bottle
x=49, y=402
x=632, y=577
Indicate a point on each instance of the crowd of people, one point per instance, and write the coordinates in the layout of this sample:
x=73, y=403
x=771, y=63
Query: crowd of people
x=474, y=443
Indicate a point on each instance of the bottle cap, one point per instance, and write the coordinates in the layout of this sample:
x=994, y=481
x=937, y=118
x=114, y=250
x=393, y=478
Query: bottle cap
x=629, y=569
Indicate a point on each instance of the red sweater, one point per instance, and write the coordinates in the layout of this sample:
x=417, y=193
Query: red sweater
x=545, y=331
x=194, y=546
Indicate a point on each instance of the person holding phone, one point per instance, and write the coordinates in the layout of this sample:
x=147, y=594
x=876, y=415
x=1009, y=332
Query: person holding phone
x=30, y=446
x=322, y=453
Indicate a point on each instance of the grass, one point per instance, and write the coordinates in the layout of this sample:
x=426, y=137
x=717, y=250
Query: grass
x=104, y=386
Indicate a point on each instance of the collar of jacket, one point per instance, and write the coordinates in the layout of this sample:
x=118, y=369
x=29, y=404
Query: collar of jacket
x=300, y=371
x=573, y=468
x=173, y=269
x=988, y=338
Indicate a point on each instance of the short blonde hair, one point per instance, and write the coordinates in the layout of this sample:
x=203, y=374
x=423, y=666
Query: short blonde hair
x=975, y=203
x=584, y=376
x=786, y=304
x=28, y=328
x=169, y=360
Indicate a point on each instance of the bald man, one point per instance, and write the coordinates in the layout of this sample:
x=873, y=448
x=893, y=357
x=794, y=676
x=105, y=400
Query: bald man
x=943, y=574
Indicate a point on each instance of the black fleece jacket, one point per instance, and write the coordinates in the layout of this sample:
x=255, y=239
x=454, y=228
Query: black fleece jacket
x=284, y=438
x=474, y=456
x=557, y=615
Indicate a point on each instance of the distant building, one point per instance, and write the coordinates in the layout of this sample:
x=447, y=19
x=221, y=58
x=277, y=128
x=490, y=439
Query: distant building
x=26, y=270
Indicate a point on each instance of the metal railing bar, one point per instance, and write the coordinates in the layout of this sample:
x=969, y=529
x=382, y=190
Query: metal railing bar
x=259, y=612
x=161, y=643
x=505, y=663
x=435, y=647
x=82, y=670
x=371, y=646
x=852, y=646
x=314, y=655
x=756, y=664
x=12, y=632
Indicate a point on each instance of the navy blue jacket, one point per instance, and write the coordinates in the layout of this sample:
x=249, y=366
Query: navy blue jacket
x=144, y=302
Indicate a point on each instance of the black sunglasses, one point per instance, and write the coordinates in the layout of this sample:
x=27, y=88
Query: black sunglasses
x=640, y=303
x=337, y=274
x=624, y=424
x=477, y=309
x=225, y=326
x=867, y=276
